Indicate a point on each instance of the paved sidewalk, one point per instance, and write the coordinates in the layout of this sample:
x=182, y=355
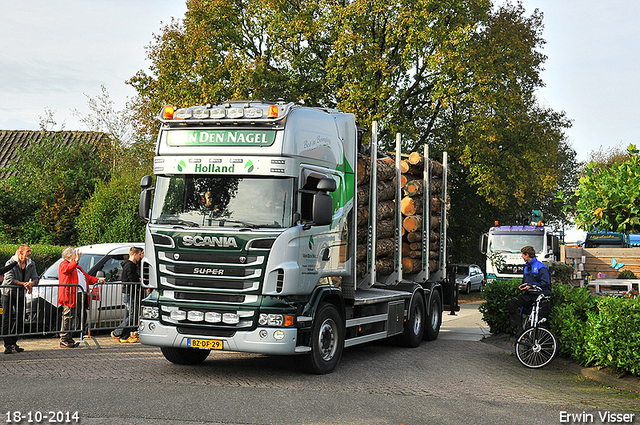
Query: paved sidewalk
x=467, y=325
x=50, y=342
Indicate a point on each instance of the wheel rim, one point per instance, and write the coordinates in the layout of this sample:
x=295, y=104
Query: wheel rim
x=327, y=339
x=435, y=315
x=536, y=349
x=417, y=320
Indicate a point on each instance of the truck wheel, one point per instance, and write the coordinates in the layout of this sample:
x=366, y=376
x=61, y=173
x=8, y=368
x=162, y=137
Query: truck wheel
x=414, y=326
x=327, y=341
x=435, y=318
x=186, y=356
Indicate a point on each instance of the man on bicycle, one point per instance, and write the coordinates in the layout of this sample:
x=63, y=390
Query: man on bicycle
x=536, y=279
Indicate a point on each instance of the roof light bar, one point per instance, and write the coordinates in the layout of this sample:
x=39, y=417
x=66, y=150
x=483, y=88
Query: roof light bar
x=183, y=114
x=167, y=112
x=273, y=111
x=234, y=113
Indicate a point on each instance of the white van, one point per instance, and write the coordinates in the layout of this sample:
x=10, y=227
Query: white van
x=42, y=311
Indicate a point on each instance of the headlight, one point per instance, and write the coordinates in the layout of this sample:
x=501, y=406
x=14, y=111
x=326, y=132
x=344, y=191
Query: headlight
x=150, y=313
x=275, y=320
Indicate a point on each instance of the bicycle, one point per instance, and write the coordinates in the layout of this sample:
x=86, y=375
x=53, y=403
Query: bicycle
x=537, y=345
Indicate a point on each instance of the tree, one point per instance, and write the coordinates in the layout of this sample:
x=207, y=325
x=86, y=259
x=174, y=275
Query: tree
x=609, y=197
x=459, y=75
x=44, y=197
x=111, y=213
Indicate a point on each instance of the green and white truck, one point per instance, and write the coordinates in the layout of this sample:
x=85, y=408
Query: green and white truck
x=251, y=239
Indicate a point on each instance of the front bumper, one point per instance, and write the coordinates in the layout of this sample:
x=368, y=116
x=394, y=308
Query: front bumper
x=260, y=340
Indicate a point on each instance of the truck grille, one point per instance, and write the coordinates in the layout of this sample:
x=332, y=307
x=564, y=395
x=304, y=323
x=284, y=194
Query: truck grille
x=512, y=269
x=200, y=296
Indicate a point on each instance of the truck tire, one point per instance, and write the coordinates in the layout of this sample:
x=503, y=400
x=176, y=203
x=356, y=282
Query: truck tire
x=185, y=356
x=327, y=341
x=435, y=317
x=414, y=327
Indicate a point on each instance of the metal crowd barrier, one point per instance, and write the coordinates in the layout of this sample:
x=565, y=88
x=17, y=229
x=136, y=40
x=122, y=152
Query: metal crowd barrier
x=107, y=306
x=101, y=308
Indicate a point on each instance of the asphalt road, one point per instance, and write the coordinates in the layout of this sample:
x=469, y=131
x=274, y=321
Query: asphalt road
x=456, y=379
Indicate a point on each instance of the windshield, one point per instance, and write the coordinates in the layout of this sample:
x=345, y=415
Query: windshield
x=223, y=201
x=87, y=261
x=462, y=270
x=515, y=242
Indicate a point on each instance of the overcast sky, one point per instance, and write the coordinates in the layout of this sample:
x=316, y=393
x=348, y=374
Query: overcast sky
x=53, y=53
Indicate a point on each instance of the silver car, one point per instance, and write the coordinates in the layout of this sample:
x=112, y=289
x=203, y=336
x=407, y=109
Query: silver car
x=469, y=277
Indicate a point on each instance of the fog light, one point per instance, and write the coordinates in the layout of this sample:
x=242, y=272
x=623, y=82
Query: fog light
x=263, y=333
x=152, y=326
x=212, y=317
x=195, y=316
x=178, y=315
x=231, y=318
x=278, y=335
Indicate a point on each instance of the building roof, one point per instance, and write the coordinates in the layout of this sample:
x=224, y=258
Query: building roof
x=11, y=140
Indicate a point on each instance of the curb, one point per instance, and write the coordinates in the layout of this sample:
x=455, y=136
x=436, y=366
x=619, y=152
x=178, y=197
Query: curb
x=605, y=376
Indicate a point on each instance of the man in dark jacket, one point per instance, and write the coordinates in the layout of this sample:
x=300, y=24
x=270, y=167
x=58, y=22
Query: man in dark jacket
x=130, y=297
x=536, y=279
x=24, y=274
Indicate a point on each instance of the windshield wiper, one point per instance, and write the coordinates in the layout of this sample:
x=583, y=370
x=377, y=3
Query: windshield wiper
x=178, y=222
x=223, y=220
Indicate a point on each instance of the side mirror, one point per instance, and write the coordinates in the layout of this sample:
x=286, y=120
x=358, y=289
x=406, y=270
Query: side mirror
x=145, y=204
x=100, y=274
x=484, y=241
x=146, y=182
x=322, y=212
x=327, y=185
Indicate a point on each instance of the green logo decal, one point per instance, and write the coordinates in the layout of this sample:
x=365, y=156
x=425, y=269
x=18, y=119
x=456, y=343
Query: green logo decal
x=311, y=242
x=248, y=166
x=182, y=165
x=181, y=137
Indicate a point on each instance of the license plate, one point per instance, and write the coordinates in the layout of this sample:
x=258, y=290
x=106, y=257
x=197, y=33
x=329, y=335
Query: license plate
x=209, y=344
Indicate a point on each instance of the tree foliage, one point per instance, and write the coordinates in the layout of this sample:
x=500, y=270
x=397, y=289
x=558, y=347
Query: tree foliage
x=42, y=200
x=459, y=75
x=111, y=214
x=609, y=196
x=81, y=193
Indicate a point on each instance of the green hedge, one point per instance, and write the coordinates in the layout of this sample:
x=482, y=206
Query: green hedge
x=592, y=330
x=613, y=335
x=42, y=255
x=571, y=306
x=494, y=309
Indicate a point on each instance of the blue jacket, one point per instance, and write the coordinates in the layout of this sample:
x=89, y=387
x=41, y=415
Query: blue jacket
x=536, y=273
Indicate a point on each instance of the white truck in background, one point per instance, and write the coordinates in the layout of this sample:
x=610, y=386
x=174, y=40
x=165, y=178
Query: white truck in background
x=502, y=245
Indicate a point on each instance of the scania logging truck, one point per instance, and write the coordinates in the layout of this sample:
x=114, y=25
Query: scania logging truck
x=253, y=243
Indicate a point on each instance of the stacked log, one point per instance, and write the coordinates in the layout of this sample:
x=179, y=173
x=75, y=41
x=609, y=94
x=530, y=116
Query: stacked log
x=412, y=169
x=386, y=184
x=412, y=205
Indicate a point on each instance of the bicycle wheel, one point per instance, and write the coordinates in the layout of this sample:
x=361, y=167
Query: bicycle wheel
x=536, y=347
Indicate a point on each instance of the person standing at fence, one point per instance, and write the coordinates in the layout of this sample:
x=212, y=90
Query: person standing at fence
x=72, y=280
x=23, y=274
x=130, y=297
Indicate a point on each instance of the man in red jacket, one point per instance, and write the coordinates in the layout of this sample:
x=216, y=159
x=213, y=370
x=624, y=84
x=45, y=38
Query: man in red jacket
x=71, y=279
